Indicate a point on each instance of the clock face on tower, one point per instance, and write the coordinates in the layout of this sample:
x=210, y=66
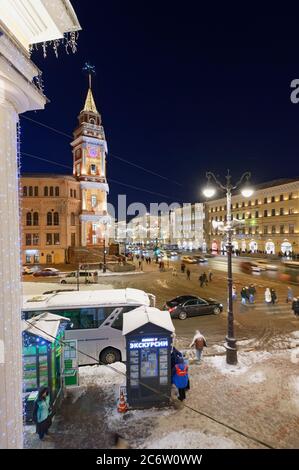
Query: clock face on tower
x=92, y=151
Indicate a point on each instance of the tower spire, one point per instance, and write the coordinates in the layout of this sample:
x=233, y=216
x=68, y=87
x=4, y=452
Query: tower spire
x=89, y=102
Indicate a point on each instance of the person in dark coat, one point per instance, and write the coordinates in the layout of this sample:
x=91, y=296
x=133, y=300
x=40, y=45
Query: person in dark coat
x=188, y=272
x=174, y=357
x=205, y=279
x=295, y=306
x=183, y=266
x=251, y=293
x=180, y=378
x=41, y=412
x=244, y=295
x=273, y=296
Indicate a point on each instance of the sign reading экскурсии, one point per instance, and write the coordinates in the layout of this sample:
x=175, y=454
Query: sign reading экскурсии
x=149, y=343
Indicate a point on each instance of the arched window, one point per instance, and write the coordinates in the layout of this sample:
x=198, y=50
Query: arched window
x=28, y=218
x=56, y=190
x=56, y=218
x=73, y=220
x=49, y=259
x=35, y=190
x=30, y=191
x=46, y=191
x=35, y=218
x=51, y=191
x=49, y=218
x=24, y=190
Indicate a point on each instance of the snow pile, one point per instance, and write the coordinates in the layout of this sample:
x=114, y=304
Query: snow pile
x=245, y=361
x=103, y=375
x=256, y=377
x=294, y=390
x=295, y=334
x=191, y=440
x=246, y=342
x=133, y=416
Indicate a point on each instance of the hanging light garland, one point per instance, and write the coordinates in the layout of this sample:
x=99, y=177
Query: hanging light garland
x=69, y=41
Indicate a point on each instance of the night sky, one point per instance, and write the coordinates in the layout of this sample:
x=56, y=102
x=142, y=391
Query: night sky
x=181, y=90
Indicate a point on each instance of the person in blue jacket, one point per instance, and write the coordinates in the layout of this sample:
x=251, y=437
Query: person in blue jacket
x=180, y=377
x=41, y=412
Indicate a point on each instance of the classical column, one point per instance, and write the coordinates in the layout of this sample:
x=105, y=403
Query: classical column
x=11, y=412
x=83, y=233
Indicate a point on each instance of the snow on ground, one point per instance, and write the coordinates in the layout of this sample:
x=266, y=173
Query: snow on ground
x=190, y=440
x=103, y=376
x=35, y=288
x=76, y=392
x=114, y=418
x=294, y=389
x=245, y=361
x=256, y=377
x=295, y=334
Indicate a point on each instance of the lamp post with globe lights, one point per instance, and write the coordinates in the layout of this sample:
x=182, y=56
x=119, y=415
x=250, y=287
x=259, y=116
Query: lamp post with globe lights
x=247, y=191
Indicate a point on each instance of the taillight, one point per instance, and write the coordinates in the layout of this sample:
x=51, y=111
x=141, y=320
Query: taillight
x=170, y=310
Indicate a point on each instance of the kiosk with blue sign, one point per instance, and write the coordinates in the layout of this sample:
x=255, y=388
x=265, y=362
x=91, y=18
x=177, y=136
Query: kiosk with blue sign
x=148, y=333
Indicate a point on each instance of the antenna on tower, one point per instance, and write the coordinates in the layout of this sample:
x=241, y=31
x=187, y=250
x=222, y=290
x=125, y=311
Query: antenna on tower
x=89, y=70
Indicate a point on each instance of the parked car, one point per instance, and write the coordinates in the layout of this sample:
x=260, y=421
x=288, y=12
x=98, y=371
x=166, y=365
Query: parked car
x=189, y=259
x=47, y=272
x=85, y=277
x=186, y=306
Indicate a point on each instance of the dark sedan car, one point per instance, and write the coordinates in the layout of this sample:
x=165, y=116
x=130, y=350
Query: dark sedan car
x=186, y=306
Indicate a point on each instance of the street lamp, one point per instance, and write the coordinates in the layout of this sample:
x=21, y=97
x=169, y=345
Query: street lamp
x=247, y=191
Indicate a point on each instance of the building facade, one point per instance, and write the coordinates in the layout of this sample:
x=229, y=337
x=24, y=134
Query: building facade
x=63, y=211
x=269, y=220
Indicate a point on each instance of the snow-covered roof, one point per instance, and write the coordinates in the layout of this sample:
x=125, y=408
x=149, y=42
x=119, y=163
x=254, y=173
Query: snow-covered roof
x=45, y=325
x=142, y=315
x=92, y=298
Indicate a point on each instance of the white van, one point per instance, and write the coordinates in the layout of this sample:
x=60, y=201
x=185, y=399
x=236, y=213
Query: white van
x=79, y=277
x=96, y=319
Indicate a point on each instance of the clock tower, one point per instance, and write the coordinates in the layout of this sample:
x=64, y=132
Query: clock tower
x=89, y=167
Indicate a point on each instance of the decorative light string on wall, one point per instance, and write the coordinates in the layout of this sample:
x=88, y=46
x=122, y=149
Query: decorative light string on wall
x=69, y=41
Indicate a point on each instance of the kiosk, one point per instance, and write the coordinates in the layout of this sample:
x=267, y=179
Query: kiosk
x=148, y=333
x=42, y=358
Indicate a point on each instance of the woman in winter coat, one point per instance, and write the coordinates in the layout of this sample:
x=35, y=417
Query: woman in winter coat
x=180, y=377
x=268, y=297
x=234, y=292
x=41, y=412
x=273, y=296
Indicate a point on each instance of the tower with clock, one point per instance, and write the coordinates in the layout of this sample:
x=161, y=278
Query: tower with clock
x=89, y=167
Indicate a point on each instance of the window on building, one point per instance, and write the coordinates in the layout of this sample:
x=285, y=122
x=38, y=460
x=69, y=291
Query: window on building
x=56, y=218
x=256, y=229
x=272, y=212
x=93, y=169
x=281, y=229
x=249, y=215
x=243, y=204
x=49, y=218
x=272, y=199
x=56, y=239
x=292, y=228
x=35, y=239
x=28, y=218
x=265, y=230
x=73, y=219
x=56, y=190
x=49, y=259
x=35, y=191
x=30, y=191
x=216, y=218
x=35, y=218
x=71, y=192
x=281, y=197
x=265, y=213
x=281, y=211
x=237, y=205
x=28, y=239
x=237, y=216
x=93, y=201
x=78, y=169
x=46, y=191
x=291, y=196
x=256, y=214
x=243, y=215
x=249, y=203
x=75, y=194
x=291, y=211
x=273, y=230
x=73, y=239
x=250, y=230
x=48, y=238
x=256, y=202
x=265, y=200
x=220, y=218
x=51, y=190
x=25, y=191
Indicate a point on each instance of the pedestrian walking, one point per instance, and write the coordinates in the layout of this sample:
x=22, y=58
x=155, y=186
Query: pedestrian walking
x=183, y=266
x=167, y=263
x=234, y=293
x=210, y=275
x=201, y=280
x=244, y=295
x=251, y=293
x=273, y=296
x=205, y=279
x=95, y=277
x=290, y=295
x=268, y=297
x=174, y=271
x=180, y=378
x=198, y=342
x=188, y=272
x=139, y=264
x=41, y=412
x=295, y=306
